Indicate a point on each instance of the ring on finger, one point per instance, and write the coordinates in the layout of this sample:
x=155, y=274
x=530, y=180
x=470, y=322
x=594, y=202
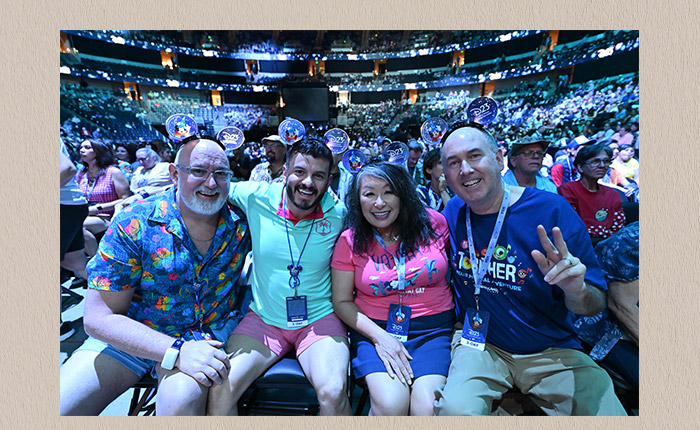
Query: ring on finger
x=569, y=261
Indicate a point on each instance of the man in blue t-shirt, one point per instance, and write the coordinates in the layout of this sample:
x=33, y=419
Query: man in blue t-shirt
x=514, y=311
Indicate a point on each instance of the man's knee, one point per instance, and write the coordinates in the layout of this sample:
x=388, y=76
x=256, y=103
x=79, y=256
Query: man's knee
x=458, y=401
x=180, y=394
x=332, y=390
x=90, y=381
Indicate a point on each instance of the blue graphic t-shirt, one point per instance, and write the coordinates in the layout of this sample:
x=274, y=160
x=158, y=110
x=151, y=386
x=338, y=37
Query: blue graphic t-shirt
x=527, y=314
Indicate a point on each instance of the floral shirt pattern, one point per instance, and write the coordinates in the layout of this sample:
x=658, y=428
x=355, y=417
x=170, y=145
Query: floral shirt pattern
x=147, y=248
x=619, y=257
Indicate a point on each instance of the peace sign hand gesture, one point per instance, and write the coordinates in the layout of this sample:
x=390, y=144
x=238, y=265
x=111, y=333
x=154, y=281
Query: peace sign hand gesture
x=558, y=266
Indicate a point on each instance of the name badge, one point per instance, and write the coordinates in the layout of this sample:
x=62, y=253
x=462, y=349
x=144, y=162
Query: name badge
x=297, y=315
x=204, y=334
x=398, y=320
x=476, y=324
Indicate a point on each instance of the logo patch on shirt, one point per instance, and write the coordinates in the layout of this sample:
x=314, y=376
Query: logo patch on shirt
x=601, y=214
x=323, y=227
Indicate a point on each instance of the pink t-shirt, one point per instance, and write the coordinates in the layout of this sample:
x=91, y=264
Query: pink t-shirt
x=427, y=291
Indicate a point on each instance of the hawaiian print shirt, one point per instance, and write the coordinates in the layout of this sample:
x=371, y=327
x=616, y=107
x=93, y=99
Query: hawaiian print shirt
x=147, y=248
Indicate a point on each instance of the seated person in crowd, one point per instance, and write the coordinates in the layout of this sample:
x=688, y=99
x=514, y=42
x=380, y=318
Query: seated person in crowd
x=151, y=178
x=126, y=155
x=626, y=163
x=272, y=170
x=564, y=170
x=415, y=152
x=623, y=137
x=389, y=268
x=599, y=207
x=514, y=317
x=297, y=222
x=436, y=193
x=525, y=162
x=613, y=334
x=104, y=187
x=165, y=277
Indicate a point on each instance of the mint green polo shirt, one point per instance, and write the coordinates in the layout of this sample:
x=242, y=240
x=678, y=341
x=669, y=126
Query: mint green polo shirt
x=270, y=278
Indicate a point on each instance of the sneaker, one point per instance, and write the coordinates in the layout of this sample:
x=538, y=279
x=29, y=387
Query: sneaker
x=66, y=330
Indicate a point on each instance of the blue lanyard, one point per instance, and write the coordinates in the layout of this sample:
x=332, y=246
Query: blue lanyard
x=295, y=269
x=479, y=269
x=400, y=264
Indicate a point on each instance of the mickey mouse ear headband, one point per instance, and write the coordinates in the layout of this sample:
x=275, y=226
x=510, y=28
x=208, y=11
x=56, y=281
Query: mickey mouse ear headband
x=337, y=140
x=231, y=137
x=396, y=153
x=481, y=112
x=291, y=130
x=180, y=127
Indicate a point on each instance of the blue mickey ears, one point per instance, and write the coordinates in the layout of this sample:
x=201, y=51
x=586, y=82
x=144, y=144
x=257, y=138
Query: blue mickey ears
x=291, y=130
x=180, y=127
x=337, y=140
x=353, y=160
x=433, y=129
x=482, y=110
x=231, y=137
x=396, y=153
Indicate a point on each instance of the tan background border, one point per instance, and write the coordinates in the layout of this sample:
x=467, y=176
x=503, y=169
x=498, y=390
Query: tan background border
x=29, y=37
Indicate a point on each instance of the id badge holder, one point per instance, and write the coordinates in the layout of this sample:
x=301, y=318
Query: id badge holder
x=475, y=327
x=398, y=321
x=204, y=334
x=297, y=315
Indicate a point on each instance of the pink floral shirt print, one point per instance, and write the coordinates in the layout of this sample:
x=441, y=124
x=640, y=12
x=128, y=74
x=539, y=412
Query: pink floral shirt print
x=148, y=249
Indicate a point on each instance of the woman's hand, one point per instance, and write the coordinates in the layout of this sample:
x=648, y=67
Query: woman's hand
x=395, y=357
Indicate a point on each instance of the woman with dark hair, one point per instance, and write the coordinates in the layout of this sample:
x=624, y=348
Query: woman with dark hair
x=103, y=185
x=599, y=206
x=389, y=286
x=626, y=163
x=126, y=155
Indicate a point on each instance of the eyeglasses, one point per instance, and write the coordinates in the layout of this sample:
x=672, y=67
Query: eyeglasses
x=530, y=154
x=222, y=175
x=598, y=162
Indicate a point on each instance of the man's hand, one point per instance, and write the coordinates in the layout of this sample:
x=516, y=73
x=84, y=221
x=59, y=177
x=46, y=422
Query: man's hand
x=204, y=361
x=568, y=273
x=558, y=266
x=442, y=183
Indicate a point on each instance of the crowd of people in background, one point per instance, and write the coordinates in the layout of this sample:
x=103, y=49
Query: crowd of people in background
x=578, y=141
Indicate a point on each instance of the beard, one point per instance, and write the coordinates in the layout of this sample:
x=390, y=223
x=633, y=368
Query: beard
x=201, y=207
x=303, y=205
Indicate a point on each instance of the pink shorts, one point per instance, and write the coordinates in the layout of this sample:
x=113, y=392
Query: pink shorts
x=280, y=341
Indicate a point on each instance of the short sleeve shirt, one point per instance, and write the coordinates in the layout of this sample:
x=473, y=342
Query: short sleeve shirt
x=427, y=290
x=260, y=202
x=147, y=249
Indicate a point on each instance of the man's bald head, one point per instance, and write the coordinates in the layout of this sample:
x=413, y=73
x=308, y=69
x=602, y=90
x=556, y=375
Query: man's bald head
x=185, y=152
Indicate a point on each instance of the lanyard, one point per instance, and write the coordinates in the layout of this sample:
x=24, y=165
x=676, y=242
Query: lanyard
x=197, y=285
x=400, y=264
x=295, y=269
x=480, y=271
x=88, y=194
x=435, y=199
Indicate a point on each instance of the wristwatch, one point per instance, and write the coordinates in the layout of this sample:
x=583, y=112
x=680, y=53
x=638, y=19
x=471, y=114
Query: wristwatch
x=171, y=354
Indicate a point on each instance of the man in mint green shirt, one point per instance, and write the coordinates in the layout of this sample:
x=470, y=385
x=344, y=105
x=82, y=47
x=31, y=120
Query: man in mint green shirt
x=293, y=227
